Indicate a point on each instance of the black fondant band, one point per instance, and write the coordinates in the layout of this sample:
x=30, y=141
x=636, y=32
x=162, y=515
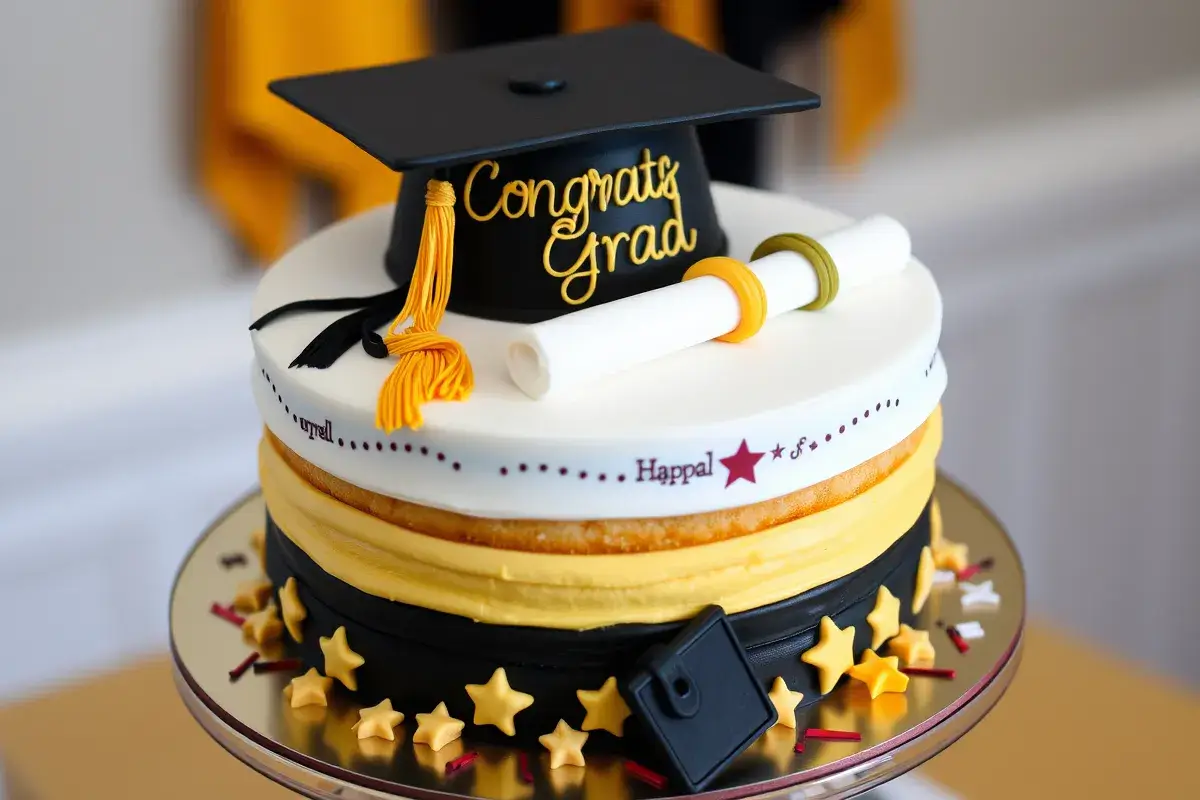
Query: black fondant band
x=418, y=657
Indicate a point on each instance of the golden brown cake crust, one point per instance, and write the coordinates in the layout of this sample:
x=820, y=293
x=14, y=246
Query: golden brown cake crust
x=607, y=535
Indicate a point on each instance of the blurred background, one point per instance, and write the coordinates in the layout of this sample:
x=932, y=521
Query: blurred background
x=1045, y=156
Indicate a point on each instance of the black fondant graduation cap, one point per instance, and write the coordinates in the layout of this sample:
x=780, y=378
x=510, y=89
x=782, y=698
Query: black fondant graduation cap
x=569, y=164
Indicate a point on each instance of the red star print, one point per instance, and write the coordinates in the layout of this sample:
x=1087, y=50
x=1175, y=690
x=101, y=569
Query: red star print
x=777, y=452
x=741, y=464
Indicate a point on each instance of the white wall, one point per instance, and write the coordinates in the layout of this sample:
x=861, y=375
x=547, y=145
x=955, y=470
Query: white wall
x=97, y=211
x=975, y=64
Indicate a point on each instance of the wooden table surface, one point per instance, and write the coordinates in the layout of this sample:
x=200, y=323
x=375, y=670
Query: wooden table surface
x=1075, y=723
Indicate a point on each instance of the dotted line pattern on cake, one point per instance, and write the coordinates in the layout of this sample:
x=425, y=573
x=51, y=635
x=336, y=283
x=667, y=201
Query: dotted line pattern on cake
x=365, y=445
x=777, y=452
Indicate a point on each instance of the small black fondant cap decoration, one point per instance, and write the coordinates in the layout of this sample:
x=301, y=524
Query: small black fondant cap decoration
x=552, y=174
x=698, y=700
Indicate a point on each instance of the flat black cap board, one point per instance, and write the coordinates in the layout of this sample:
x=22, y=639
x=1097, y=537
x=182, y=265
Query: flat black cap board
x=698, y=700
x=569, y=167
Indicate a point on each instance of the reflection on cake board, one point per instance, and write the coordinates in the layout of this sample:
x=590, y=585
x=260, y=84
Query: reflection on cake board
x=313, y=750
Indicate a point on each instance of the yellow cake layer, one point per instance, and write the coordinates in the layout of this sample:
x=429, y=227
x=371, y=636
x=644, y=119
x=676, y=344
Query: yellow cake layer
x=509, y=587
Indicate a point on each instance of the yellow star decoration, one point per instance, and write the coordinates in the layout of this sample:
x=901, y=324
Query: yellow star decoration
x=496, y=703
x=879, y=674
x=437, y=728
x=294, y=612
x=565, y=745
x=925, y=570
x=606, y=709
x=884, y=619
x=258, y=543
x=935, y=522
x=340, y=660
x=263, y=626
x=950, y=555
x=785, y=702
x=253, y=595
x=310, y=689
x=833, y=654
x=378, y=721
x=912, y=646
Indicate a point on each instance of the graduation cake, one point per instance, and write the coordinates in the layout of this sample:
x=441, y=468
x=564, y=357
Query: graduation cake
x=567, y=448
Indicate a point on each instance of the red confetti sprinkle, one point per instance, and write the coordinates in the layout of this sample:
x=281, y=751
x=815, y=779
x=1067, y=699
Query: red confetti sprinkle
x=282, y=665
x=969, y=572
x=956, y=637
x=645, y=775
x=462, y=762
x=526, y=773
x=929, y=672
x=227, y=614
x=799, y=748
x=241, y=668
x=832, y=736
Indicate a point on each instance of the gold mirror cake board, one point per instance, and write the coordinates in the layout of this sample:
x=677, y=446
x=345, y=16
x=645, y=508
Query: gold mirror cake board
x=313, y=750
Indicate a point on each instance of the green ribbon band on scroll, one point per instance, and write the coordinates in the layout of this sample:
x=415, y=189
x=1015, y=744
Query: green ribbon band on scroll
x=815, y=254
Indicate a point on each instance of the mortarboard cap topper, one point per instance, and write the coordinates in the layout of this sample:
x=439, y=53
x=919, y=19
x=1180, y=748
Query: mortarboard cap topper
x=552, y=175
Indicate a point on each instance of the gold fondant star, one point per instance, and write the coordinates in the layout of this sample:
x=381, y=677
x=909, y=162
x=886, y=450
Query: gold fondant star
x=378, y=721
x=294, y=612
x=258, y=543
x=263, y=626
x=253, y=595
x=340, y=660
x=879, y=674
x=309, y=689
x=912, y=646
x=833, y=654
x=925, y=570
x=606, y=709
x=565, y=745
x=437, y=728
x=935, y=522
x=496, y=703
x=785, y=702
x=950, y=555
x=500, y=778
x=884, y=619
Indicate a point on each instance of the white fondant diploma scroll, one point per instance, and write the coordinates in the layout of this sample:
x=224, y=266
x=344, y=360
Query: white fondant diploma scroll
x=587, y=345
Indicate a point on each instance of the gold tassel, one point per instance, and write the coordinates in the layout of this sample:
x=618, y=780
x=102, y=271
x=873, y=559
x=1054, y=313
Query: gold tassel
x=431, y=366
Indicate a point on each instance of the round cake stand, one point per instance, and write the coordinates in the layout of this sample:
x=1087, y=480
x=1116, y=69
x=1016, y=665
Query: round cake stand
x=313, y=751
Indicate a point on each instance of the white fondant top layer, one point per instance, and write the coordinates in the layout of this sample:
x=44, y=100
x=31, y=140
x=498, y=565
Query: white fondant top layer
x=716, y=426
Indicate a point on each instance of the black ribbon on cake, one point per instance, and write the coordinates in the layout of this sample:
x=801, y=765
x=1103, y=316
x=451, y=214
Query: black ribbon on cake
x=369, y=314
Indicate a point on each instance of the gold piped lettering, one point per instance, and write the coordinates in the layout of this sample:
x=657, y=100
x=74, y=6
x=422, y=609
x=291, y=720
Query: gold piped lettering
x=470, y=184
x=570, y=209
